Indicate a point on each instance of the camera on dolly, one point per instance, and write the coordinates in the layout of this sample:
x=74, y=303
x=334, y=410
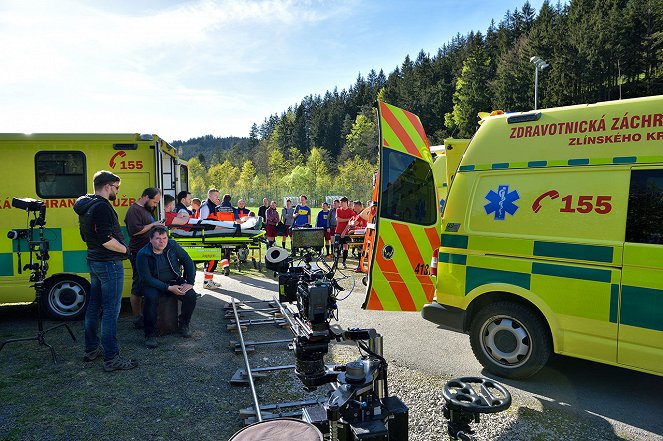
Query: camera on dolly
x=360, y=407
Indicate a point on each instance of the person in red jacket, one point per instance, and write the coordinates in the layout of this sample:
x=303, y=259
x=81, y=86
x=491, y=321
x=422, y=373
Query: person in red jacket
x=343, y=216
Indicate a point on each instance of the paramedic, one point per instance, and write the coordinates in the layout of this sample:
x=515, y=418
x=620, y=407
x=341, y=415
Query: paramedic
x=208, y=211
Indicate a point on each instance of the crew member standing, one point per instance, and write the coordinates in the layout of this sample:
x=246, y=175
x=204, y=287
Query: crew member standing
x=100, y=229
x=226, y=212
x=139, y=222
x=343, y=216
x=208, y=211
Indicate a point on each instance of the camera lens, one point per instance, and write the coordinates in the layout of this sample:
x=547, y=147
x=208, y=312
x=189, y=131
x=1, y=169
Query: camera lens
x=12, y=234
x=309, y=361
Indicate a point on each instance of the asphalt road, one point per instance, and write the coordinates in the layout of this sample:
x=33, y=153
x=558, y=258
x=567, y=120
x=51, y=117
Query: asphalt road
x=629, y=401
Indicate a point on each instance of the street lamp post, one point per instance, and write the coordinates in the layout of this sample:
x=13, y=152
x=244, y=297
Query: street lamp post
x=539, y=64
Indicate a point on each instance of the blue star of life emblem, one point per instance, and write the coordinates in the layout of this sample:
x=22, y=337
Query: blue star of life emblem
x=501, y=202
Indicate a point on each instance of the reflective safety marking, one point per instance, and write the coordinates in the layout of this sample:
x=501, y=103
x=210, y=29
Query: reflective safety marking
x=582, y=161
x=374, y=302
x=395, y=125
x=454, y=241
x=75, y=262
x=433, y=237
x=458, y=259
x=617, y=160
x=398, y=286
x=6, y=264
x=624, y=159
x=475, y=277
x=642, y=307
x=416, y=259
x=571, y=272
x=416, y=123
x=573, y=251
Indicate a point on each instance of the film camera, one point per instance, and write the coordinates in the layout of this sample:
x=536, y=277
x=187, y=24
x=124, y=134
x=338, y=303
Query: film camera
x=360, y=407
x=38, y=248
x=38, y=265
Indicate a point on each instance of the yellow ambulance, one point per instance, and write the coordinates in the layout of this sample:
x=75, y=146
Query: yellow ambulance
x=446, y=158
x=551, y=236
x=58, y=168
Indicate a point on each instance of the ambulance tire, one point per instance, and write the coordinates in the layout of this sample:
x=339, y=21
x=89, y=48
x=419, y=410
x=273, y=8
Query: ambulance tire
x=510, y=340
x=65, y=297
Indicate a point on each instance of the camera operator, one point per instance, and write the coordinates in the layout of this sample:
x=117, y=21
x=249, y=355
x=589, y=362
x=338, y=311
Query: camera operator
x=101, y=232
x=158, y=264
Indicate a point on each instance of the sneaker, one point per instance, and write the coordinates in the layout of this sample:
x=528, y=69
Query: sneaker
x=226, y=271
x=119, y=363
x=137, y=321
x=358, y=269
x=93, y=354
x=211, y=284
x=151, y=342
x=185, y=331
x=344, y=265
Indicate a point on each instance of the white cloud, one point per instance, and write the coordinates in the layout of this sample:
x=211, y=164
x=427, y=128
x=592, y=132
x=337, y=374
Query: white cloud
x=69, y=65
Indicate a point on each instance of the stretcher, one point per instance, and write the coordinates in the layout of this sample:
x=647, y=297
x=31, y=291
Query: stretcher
x=205, y=240
x=356, y=242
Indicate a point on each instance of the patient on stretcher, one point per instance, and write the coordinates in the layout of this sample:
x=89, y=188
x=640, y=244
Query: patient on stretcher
x=245, y=226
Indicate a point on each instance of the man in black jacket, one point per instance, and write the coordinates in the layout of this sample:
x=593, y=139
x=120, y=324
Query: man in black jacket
x=158, y=264
x=106, y=249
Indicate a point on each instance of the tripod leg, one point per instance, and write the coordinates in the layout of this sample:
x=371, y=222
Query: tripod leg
x=52, y=352
x=73, y=337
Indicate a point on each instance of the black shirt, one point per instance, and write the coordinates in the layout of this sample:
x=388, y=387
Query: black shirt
x=165, y=272
x=98, y=225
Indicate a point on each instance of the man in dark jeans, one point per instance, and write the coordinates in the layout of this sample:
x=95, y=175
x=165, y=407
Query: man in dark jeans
x=106, y=250
x=158, y=265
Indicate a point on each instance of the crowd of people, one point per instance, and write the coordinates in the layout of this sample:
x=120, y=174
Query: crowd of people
x=340, y=220
x=162, y=267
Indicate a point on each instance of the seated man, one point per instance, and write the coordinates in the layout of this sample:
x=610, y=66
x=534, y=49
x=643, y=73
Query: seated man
x=158, y=264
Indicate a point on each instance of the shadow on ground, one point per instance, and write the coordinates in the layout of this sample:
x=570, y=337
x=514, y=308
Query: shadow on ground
x=574, y=390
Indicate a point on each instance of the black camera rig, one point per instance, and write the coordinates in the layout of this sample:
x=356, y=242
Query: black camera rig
x=38, y=266
x=360, y=407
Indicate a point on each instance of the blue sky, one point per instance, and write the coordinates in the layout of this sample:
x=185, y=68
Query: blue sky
x=182, y=69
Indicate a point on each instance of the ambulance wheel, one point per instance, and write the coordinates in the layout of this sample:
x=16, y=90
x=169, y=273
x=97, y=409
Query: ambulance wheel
x=65, y=297
x=510, y=340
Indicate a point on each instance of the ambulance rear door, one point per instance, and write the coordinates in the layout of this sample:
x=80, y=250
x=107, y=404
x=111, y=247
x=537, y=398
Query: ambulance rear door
x=405, y=221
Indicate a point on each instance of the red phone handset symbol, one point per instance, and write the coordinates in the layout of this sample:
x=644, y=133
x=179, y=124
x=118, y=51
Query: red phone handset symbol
x=552, y=194
x=121, y=154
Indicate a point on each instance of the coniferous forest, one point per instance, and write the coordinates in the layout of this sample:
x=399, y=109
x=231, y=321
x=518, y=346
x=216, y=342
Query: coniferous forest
x=597, y=50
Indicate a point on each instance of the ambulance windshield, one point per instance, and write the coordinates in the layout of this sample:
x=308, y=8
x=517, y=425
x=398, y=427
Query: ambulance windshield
x=408, y=189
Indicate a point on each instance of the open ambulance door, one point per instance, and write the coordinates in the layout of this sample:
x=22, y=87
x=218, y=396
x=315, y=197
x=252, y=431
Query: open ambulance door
x=403, y=231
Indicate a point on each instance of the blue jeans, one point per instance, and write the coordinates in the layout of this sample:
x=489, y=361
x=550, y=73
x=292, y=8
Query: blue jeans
x=151, y=307
x=106, y=281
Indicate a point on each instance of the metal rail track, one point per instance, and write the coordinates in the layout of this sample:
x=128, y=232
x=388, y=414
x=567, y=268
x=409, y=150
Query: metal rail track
x=248, y=374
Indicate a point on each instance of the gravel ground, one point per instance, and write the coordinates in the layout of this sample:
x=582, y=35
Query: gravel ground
x=181, y=389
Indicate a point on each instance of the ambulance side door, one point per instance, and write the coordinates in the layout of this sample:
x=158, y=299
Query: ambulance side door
x=640, y=342
x=406, y=218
